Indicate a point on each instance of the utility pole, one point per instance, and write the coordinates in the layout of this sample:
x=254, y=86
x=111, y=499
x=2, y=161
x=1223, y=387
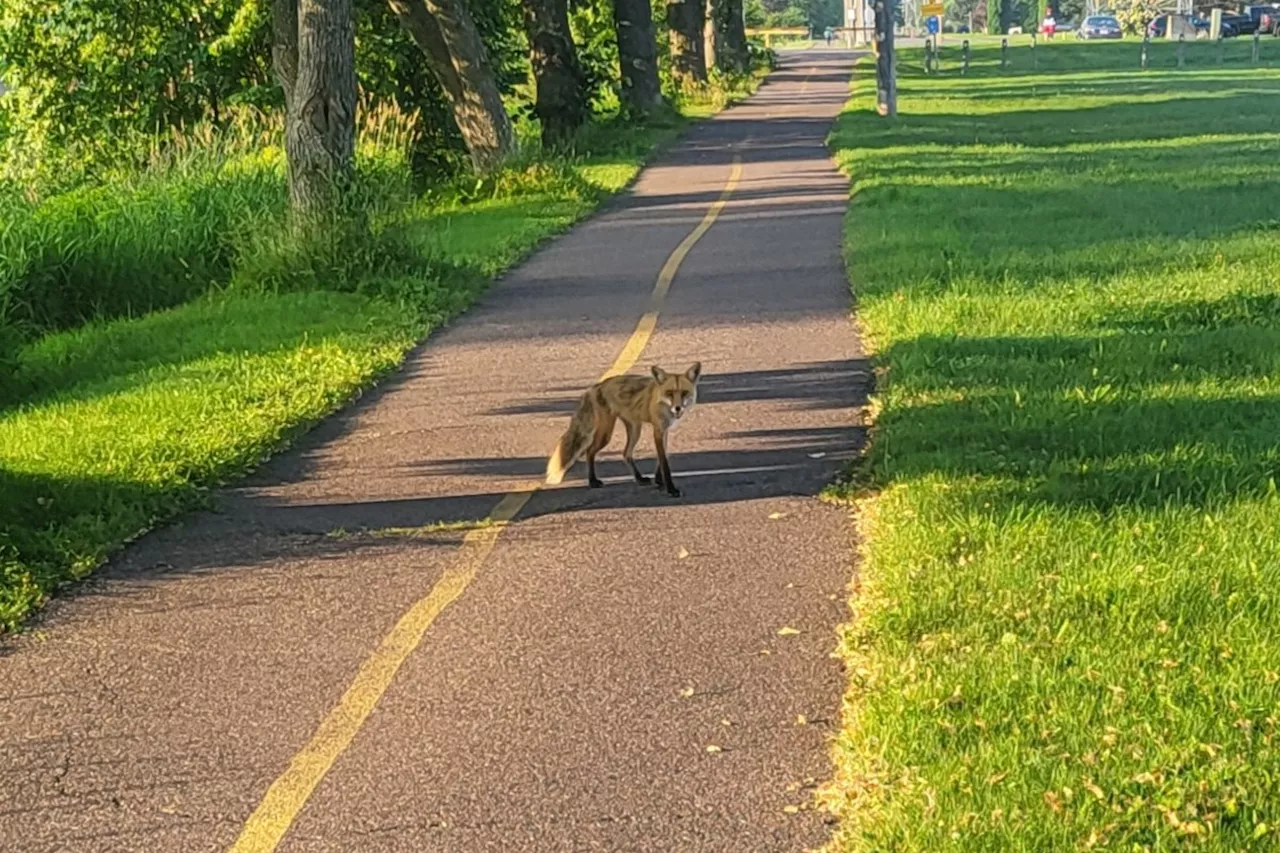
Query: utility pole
x=886, y=82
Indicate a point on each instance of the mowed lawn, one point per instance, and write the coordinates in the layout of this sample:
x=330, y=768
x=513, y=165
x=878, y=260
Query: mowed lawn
x=1067, y=623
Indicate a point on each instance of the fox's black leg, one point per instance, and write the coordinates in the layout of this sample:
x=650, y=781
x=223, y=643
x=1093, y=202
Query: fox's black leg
x=663, y=467
x=604, y=432
x=633, y=435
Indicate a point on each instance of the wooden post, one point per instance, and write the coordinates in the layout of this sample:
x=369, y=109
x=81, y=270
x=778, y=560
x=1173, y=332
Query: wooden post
x=964, y=68
x=1256, y=36
x=1035, y=62
x=1004, y=50
x=1182, y=50
x=1146, y=40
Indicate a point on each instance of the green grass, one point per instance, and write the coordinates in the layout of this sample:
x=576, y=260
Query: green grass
x=119, y=423
x=1066, y=620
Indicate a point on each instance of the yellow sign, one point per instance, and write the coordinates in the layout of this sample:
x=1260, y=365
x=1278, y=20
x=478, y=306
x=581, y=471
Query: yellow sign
x=930, y=10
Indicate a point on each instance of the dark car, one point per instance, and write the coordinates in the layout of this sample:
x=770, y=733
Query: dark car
x=1237, y=25
x=1099, y=27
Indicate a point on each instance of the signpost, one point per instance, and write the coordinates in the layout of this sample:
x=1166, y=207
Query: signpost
x=932, y=13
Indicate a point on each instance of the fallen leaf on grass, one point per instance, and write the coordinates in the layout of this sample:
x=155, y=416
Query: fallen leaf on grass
x=714, y=748
x=787, y=631
x=791, y=809
x=774, y=516
x=682, y=554
x=687, y=692
x=801, y=720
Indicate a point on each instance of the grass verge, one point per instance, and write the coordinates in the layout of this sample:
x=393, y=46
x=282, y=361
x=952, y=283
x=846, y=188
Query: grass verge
x=121, y=422
x=1065, y=623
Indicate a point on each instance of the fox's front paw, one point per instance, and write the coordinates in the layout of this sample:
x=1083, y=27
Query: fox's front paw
x=642, y=479
x=673, y=491
x=595, y=483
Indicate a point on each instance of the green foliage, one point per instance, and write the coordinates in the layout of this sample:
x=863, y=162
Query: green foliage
x=1134, y=15
x=815, y=14
x=1065, y=618
x=597, y=43
x=97, y=77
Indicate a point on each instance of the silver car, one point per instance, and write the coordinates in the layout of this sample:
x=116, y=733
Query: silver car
x=1099, y=27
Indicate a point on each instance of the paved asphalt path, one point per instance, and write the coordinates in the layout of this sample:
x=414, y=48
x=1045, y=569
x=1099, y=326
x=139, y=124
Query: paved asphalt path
x=567, y=698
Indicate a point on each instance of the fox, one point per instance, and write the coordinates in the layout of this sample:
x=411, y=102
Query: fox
x=660, y=399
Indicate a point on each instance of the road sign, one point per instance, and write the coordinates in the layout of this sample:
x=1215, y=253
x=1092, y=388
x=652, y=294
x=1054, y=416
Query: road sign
x=931, y=10
x=931, y=24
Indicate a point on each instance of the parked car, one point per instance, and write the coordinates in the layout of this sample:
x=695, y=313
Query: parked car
x=1159, y=26
x=1099, y=27
x=1266, y=18
x=1234, y=24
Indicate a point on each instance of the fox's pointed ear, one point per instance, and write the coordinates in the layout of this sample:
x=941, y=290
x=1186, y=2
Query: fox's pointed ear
x=658, y=373
x=694, y=372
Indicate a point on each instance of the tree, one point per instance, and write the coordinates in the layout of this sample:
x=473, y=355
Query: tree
x=461, y=64
x=727, y=40
x=315, y=54
x=995, y=16
x=89, y=78
x=685, y=19
x=561, y=91
x=637, y=57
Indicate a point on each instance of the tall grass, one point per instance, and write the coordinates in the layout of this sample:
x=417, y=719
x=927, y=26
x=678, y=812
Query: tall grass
x=206, y=209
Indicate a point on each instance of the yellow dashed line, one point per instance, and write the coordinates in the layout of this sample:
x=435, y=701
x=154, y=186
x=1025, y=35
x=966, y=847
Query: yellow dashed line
x=286, y=797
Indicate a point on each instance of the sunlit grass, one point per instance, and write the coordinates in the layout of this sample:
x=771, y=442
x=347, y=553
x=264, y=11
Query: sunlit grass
x=1066, y=616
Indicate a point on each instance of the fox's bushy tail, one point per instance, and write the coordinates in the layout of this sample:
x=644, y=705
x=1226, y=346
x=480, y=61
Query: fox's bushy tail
x=573, y=442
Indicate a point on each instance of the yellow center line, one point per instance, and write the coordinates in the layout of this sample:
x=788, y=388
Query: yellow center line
x=286, y=797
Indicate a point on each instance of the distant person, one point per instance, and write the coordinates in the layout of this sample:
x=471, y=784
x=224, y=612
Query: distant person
x=1049, y=24
x=828, y=34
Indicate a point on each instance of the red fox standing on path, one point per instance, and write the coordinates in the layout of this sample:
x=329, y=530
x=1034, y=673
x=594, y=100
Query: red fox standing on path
x=659, y=400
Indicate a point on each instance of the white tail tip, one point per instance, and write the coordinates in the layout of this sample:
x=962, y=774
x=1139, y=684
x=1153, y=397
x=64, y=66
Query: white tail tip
x=555, y=470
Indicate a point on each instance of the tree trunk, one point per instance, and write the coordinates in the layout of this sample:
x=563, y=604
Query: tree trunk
x=561, y=103
x=284, y=45
x=685, y=20
x=468, y=80
x=710, y=37
x=730, y=38
x=315, y=53
x=637, y=56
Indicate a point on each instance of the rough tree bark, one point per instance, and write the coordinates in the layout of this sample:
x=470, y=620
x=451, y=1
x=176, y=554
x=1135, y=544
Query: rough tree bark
x=637, y=56
x=561, y=100
x=314, y=50
x=726, y=36
x=284, y=45
x=685, y=20
x=467, y=78
x=710, y=38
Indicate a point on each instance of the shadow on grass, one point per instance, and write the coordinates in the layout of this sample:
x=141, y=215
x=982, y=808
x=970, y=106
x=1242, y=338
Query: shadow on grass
x=1147, y=397
x=1033, y=410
